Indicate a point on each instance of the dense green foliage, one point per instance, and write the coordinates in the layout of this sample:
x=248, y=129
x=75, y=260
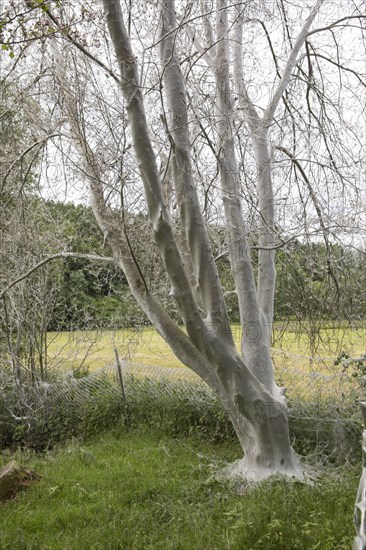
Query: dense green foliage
x=91, y=294
x=320, y=284
x=143, y=489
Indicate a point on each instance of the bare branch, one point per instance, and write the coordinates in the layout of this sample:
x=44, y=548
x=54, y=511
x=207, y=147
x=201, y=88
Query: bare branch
x=336, y=24
x=317, y=207
x=244, y=99
x=77, y=44
x=91, y=257
x=158, y=211
x=339, y=65
x=291, y=62
x=22, y=155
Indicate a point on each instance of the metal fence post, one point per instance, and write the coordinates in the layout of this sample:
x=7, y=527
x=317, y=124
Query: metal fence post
x=119, y=370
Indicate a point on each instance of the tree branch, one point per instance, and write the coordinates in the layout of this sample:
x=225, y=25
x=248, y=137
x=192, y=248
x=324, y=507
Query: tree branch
x=317, y=207
x=158, y=212
x=193, y=222
x=81, y=47
x=339, y=65
x=245, y=102
x=291, y=62
x=336, y=23
x=22, y=155
x=92, y=257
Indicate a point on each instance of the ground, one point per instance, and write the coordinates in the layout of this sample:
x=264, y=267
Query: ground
x=142, y=489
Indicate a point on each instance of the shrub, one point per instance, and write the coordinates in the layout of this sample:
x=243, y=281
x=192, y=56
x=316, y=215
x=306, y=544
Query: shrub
x=38, y=416
x=42, y=415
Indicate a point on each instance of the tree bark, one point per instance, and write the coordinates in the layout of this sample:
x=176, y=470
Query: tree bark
x=216, y=316
x=359, y=517
x=252, y=401
x=256, y=334
x=246, y=387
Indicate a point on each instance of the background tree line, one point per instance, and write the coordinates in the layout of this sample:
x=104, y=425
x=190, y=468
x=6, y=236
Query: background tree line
x=79, y=294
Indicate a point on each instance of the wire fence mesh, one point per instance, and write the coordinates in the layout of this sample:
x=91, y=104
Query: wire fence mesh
x=323, y=408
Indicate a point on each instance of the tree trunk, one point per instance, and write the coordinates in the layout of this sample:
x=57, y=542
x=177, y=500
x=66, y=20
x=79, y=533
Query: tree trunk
x=359, y=517
x=246, y=388
x=260, y=421
x=266, y=443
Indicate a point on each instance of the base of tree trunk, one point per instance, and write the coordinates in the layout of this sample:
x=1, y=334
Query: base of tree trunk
x=13, y=478
x=251, y=472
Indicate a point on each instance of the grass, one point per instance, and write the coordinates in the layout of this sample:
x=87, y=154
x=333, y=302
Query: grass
x=144, y=490
x=292, y=347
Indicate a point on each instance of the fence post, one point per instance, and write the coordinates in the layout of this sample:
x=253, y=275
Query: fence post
x=359, y=517
x=119, y=370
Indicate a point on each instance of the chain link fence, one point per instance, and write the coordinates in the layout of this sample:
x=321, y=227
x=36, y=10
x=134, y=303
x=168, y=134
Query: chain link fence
x=323, y=408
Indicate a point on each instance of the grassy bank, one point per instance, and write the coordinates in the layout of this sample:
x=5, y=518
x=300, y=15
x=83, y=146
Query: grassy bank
x=141, y=489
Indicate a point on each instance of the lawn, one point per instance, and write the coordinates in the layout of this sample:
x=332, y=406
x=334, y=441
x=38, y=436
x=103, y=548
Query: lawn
x=144, y=490
x=294, y=346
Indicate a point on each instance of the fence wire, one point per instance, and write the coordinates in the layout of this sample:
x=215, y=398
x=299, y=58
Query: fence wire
x=323, y=408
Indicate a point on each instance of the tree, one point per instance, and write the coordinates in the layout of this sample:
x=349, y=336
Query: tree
x=18, y=176
x=181, y=144
x=30, y=229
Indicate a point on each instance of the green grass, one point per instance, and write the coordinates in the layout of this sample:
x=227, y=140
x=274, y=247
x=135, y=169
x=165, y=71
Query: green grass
x=143, y=490
x=94, y=349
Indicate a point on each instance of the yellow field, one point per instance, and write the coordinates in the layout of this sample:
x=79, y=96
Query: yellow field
x=292, y=348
